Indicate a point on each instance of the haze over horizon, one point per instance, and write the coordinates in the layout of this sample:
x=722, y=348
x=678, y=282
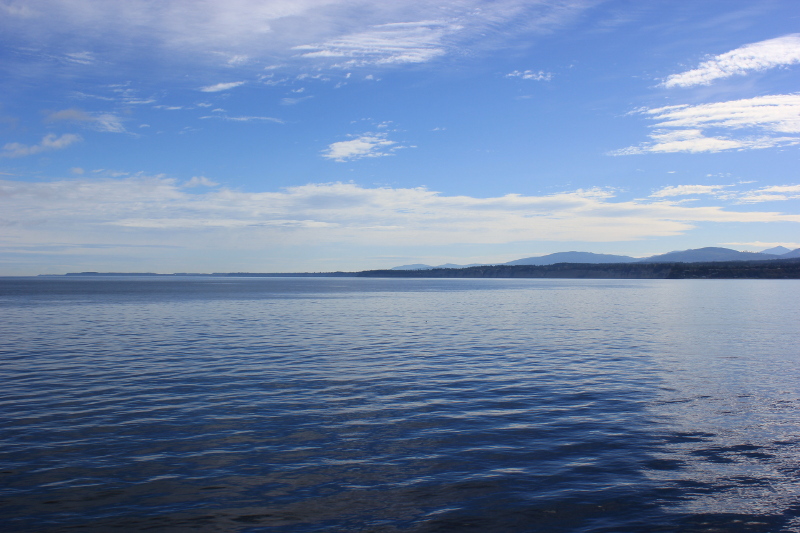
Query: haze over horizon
x=324, y=135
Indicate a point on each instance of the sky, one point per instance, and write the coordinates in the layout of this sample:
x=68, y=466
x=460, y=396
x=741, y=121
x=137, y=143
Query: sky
x=321, y=135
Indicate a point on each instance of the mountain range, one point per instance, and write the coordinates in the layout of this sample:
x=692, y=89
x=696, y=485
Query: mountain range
x=698, y=255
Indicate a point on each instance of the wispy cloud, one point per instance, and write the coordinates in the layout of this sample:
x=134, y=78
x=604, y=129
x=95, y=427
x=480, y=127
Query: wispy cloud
x=367, y=145
x=218, y=87
x=49, y=142
x=105, y=122
x=531, y=75
x=336, y=212
x=293, y=101
x=243, y=118
x=81, y=58
x=756, y=122
x=729, y=192
x=753, y=57
x=400, y=42
x=200, y=181
x=684, y=190
x=247, y=32
x=771, y=194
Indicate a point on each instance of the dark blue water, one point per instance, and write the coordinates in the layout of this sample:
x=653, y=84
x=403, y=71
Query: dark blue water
x=285, y=404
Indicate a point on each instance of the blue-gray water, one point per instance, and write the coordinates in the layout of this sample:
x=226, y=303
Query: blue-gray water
x=285, y=404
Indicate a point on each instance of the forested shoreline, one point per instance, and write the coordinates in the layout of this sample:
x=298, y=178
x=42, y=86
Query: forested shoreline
x=774, y=269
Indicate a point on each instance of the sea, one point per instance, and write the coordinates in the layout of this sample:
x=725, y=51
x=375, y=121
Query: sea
x=225, y=404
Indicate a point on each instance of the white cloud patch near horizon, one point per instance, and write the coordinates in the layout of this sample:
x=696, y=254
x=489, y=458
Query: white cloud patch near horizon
x=681, y=128
x=763, y=55
x=157, y=210
x=684, y=190
x=366, y=145
x=49, y=142
x=770, y=193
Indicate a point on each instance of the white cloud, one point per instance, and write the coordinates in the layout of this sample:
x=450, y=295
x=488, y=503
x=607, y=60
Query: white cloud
x=293, y=101
x=72, y=114
x=140, y=209
x=406, y=42
x=241, y=33
x=763, y=194
x=105, y=122
x=778, y=113
x=758, y=56
x=242, y=118
x=771, y=194
x=50, y=142
x=200, y=181
x=81, y=58
x=531, y=75
x=684, y=190
x=367, y=145
x=765, y=117
x=218, y=87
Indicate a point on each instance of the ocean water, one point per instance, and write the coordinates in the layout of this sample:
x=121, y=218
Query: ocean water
x=384, y=405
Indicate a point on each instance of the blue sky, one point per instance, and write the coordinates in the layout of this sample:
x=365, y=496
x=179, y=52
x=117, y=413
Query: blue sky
x=320, y=135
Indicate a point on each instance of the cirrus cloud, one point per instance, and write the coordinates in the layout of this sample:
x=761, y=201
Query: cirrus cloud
x=752, y=123
x=50, y=142
x=218, y=87
x=753, y=57
x=394, y=43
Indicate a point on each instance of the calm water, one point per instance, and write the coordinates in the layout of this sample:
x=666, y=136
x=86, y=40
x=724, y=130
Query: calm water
x=281, y=404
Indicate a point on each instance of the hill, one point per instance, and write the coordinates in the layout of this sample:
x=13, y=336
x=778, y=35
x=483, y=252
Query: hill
x=777, y=250
x=709, y=254
x=573, y=257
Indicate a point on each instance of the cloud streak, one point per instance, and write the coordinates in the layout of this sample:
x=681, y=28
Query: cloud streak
x=385, y=44
x=754, y=57
x=105, y=122
x=219, y=87
x=531, y=75
x=764, y=120
x=50, y=142
x=685, y=190
x=160, y=210
x=367, y=145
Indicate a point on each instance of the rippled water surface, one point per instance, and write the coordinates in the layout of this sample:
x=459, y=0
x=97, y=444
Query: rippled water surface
x=345, y=404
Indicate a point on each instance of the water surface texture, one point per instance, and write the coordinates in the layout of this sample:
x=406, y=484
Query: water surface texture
x=464, y=405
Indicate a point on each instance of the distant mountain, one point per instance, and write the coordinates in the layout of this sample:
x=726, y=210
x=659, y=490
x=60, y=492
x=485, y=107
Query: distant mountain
x=777, y=250
x=420, y=266
x=572, y=257
x=711, y=253
x=415, y=266
x=698, y=255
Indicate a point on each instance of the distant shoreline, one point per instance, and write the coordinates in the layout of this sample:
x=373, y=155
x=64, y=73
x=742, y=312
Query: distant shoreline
x=773, y=269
